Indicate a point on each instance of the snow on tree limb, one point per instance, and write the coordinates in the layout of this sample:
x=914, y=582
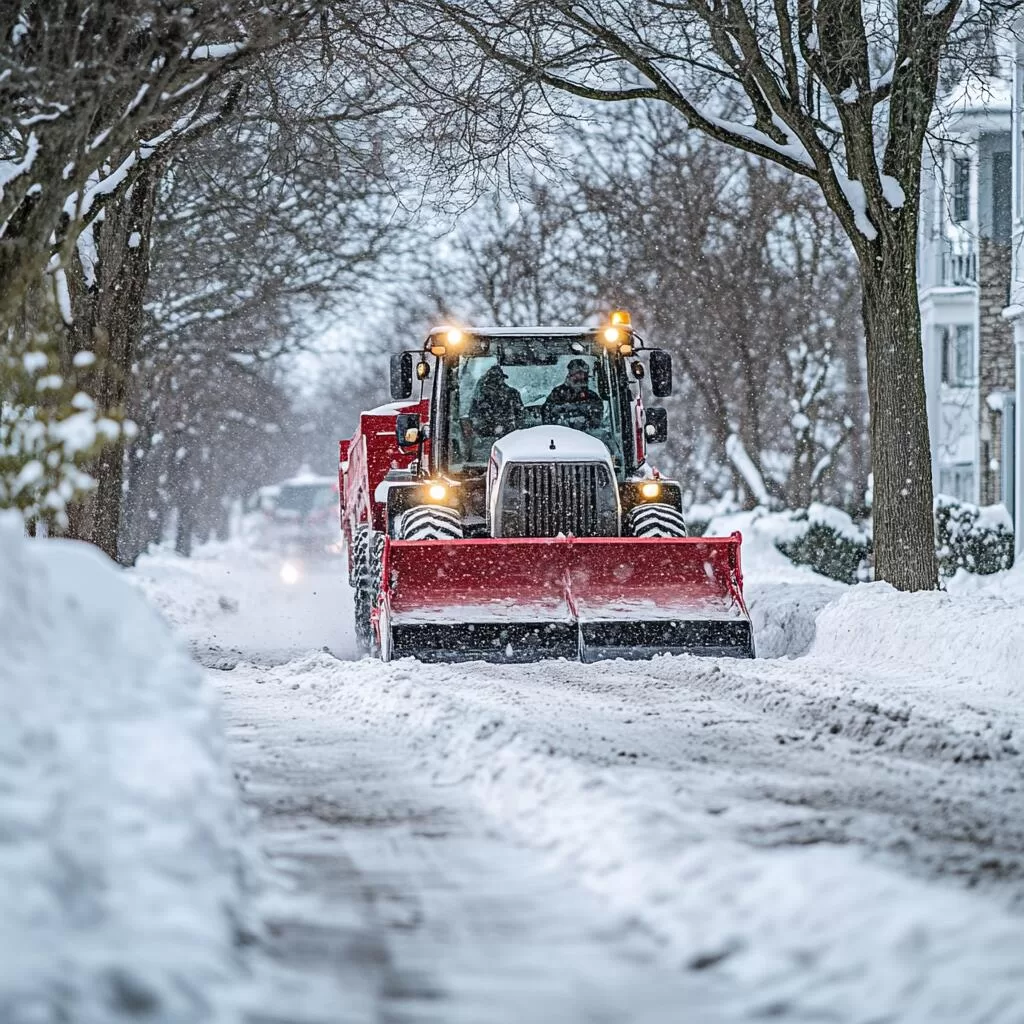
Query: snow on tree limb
x=737, y=454
x=11, y=169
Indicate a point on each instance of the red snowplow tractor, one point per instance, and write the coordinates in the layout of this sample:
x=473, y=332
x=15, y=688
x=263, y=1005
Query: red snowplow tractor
x=508, y=511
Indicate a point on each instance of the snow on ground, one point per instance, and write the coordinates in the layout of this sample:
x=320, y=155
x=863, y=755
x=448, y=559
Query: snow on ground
x=965, y=645
x=230, y=601
x=118, y=817
x=795, y=829
x=783, y=599
x=835, y=835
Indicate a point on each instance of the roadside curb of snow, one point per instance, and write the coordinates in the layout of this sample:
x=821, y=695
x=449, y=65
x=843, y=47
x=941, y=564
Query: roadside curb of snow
x=120, y=853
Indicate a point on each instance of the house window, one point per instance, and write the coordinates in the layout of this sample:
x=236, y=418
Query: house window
x=956, y=345
x=1002, y=188
x=961, y=189
x=957, y=481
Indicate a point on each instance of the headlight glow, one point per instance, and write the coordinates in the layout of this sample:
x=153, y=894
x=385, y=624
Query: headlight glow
x=612, y=335
x=290, y=573
x=454, y=336
x=437, y=492
x=650, y=489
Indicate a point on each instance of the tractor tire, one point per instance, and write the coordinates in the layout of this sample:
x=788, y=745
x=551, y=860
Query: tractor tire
x=656, y=520
x=362, y=588
x=376, y=563
x=353, y=561
x=429, y=522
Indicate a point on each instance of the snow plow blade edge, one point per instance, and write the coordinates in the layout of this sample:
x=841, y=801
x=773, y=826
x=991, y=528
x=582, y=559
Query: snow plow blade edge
x=588, y=599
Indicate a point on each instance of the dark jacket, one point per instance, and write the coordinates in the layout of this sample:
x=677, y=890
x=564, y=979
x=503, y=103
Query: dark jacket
x=496, y=408
x=566, y=405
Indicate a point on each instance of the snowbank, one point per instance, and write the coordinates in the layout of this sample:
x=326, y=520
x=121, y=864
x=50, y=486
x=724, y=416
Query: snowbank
x=783, y=599
x=1008, y=584
x=762, y=560
x=975, y=634
x=784, y=613
x=118, y=819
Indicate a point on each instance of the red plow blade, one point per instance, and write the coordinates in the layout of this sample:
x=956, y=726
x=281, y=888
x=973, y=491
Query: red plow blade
x=520, y=600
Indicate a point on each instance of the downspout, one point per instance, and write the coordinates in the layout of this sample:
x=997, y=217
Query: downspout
x=1016, y=310
x=1017, y=289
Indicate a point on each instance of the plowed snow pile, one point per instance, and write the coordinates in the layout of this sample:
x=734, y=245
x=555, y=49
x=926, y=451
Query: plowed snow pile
x=119, y=875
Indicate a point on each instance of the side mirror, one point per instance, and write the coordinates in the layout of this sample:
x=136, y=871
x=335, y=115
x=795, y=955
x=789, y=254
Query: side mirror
x=656, y=425
x=661, y=373
x=401, y=375
x=407, y=429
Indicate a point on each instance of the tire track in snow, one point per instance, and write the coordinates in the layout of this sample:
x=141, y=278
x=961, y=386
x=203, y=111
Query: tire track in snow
x=729, y=816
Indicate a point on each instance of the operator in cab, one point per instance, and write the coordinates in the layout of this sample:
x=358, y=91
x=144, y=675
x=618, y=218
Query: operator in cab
x=572, y=403
x=496, y=409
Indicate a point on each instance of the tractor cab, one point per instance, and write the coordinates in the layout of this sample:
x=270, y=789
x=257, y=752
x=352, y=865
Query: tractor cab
x=486, y=384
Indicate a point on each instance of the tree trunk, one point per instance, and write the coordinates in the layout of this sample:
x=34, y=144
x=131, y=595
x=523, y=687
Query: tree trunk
x=860, y=457
x=904, y=534
x=107, y=322
x=186, y=528
x=799, y=489
x=142, y=512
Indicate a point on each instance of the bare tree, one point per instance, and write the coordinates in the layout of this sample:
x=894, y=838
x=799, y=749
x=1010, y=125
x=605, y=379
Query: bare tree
x=264, y=228
x=94, y=98
x=840, y=94
x=740, y=271
x=89, y=93
x=513, y=261
x=734, y=266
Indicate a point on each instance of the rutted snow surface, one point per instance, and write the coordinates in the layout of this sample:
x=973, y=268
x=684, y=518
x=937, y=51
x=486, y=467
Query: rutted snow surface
x=836, y=836
x=806, y=837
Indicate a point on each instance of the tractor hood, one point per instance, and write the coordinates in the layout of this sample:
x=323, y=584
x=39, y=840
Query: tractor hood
x=549, y=444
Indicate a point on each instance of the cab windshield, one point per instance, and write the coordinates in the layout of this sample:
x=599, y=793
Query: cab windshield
x=506, y=384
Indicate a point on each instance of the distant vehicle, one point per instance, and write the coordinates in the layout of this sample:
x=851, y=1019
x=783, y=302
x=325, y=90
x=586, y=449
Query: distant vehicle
x=510, y=513
x=298, y=516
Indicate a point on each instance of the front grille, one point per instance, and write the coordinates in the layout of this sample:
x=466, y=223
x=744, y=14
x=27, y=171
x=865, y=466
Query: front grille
x=561, y=498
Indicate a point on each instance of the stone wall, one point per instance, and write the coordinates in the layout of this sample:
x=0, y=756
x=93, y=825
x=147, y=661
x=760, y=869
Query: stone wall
x=995, y=361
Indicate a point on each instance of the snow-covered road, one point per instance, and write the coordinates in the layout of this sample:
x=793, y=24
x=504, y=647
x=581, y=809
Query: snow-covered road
x=838, y=837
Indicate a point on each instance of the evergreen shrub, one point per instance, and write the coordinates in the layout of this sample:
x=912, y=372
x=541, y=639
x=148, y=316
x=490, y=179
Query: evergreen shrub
x=827, y=540
x=976, y=538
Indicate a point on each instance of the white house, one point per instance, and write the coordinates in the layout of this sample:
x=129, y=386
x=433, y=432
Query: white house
x=964, y=260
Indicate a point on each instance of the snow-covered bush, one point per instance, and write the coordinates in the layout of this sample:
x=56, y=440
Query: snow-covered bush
x=976, y=538
x=50, y=428
x=827, y=540
x=118, y=846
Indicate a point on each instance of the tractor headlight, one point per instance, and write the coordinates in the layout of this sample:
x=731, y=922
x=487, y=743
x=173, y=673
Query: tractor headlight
x=437, y=492
x=290, y=574
x=650, y=490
